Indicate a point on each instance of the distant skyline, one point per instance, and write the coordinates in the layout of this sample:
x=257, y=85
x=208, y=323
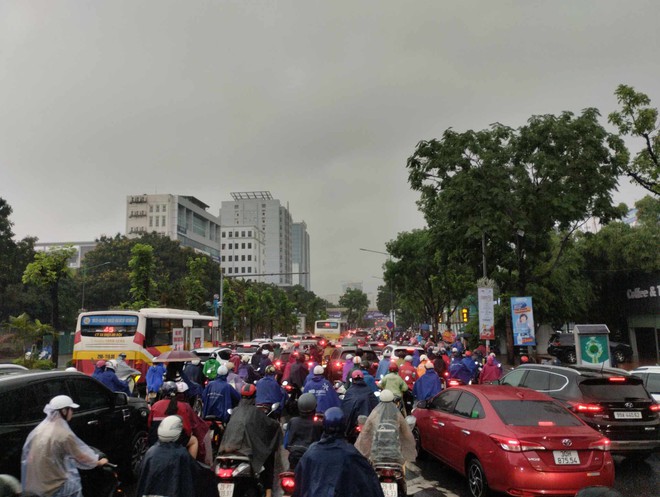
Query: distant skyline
x=320, y=103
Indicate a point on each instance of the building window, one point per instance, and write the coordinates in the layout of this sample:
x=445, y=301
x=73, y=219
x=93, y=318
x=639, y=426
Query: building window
x=151, y=208
x=223, y=246
x=242, y=245
x=242, y=234
x=249, y=258
x=263, y=206
x=243, y=269
x=249, y=269
x=250, y=245
x=249, y=234
x=243, y=258
x=164, y=208
x=230, y=233
x=156, y=221
x=235, y=206
x=223, y=234
x=158, y=208
x=223, y=270
x=230, y=258
x=151, y=221
x=162, y=221
x=223, y=258
x=230, y=270
x=236, y=234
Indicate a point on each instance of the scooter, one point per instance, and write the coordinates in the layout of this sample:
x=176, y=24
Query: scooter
x=392, y=476
x=217, y=428
x=291, y=405
x=287, y=483
x=102, y=481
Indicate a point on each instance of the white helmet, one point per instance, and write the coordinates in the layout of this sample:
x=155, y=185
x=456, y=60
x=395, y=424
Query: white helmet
x=318, y=370
x=386, y=396
x=223, y=371
x=61, y=401
x=111, y=364
x=71, y=369
x=170, y=428
x=408, y=358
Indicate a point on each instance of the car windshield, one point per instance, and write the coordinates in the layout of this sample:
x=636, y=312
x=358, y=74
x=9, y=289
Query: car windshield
x=533, y=413
x=604, y=389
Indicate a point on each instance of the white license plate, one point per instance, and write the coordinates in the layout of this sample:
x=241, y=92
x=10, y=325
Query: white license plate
x=566, y=457
x=627, y=415
x=226, y=489
x=389, y=489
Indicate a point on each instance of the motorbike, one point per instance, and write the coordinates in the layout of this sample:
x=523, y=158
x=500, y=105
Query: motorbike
x=287, y=483
x=293, y=392
x=391, y=475
x=217, y=428
x=102, y=481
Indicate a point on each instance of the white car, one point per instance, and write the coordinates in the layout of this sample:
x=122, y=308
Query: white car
x=401, y=351
x=651, y=377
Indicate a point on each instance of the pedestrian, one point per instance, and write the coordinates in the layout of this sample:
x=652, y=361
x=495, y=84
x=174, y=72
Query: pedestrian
x=52, y=453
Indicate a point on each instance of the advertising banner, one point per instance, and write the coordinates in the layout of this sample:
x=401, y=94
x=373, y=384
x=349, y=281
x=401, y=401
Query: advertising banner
x=522, y=319
x=486, y=314
x=177, y=338
x=196, y=338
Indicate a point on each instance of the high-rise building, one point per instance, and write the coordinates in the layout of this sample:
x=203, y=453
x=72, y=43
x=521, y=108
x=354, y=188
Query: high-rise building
x=261, y=210
x=243, y=252
x=300, y=255
x=178, y=217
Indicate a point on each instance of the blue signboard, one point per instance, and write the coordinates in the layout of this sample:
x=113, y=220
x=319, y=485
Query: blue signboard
x=522, y=317
x=110, y=320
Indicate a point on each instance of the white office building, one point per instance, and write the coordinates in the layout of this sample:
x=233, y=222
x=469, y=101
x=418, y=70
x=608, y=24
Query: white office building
x=179, y=217
x=243, y=252
x=300, y=255
x=261, y=210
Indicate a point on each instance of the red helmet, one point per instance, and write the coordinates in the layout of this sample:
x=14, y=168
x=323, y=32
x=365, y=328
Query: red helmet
x=248, y=390
x=393, y=366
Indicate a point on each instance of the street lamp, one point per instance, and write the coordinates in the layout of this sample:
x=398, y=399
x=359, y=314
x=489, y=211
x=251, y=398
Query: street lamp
x=392, y=313
x=84, y=279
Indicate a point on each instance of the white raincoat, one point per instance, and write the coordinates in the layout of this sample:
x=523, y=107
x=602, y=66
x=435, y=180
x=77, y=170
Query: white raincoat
x=386, y=437
x=52, y=454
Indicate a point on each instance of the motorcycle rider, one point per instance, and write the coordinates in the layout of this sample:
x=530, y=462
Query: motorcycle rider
x=491, y=372
x=358, y=400
x=428, y=385
x=269, y=391
x=408, y=372
x=98, y=369
x=298, y=372
x=365, y=365
x=155, y=375
x=302, y=430
x=232, y=378
x=168, y=469
x=109, y=379
x=386, y=437
x=219, y=396
x=52, y=453
x=332, y=467
x=323, y=390
x=246, y=370
x=393, y=382
x=348, y=366
x=457, y=368
x=252, y=433
x=194, y=428
x=383, y=365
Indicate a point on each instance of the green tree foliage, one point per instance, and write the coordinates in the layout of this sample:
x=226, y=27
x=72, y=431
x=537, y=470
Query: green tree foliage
x=193, y=285
x=427, y=276
x=28, y=332
x=308, y=304
x=356, y=303
x=523, y=191
x=143, y=284
x=637, y=118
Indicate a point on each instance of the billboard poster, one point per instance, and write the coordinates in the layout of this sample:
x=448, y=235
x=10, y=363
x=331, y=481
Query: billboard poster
x=196, y=337
x=486, y=314
x=522, y=319
x=177, y=338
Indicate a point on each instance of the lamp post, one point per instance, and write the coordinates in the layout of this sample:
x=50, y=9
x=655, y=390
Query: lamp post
x=84, y=280
x=392, y=313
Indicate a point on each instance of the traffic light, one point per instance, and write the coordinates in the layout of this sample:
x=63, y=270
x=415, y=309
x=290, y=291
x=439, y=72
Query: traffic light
x=465, y=314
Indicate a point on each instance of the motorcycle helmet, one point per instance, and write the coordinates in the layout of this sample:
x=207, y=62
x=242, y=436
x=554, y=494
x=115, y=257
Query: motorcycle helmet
x=168, y=389
x=111, y=364
x=170, y=428
x=334, y=421
x=100, y=364
x=408, y=358
x=223, y=371
x=245, y=358
x=270, y=369
x=365, y=364
x=524, y=359
x=318, y=370
x=307, y=404
x=357, y=374
x=9, y=485
x=248, y=390
x=386, y=396
x=393, y=367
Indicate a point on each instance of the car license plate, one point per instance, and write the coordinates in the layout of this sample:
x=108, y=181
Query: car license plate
x=566, y=457
x=226, y=489
x=389, y=489
x=627, y=415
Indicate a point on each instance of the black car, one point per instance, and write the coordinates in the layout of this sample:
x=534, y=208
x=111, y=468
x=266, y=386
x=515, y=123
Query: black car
x=562, y=346
x=609, y=400
x=111, y=422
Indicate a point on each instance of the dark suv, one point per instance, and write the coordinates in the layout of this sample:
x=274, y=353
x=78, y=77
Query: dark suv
x=562, y=346
x=111, y=422
x=609, y=400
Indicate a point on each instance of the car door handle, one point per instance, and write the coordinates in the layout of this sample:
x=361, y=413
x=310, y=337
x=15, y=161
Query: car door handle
x=438, y=423
x=465, y=432
x=93, y=422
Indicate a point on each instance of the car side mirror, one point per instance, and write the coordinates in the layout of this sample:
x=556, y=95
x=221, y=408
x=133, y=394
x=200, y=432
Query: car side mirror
x=422, y=404
x=121, y=399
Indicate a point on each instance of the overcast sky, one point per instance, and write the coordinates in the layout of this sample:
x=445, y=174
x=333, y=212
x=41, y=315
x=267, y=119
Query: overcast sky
x=318, y=102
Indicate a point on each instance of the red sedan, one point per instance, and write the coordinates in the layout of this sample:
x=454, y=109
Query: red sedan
x=512, y=440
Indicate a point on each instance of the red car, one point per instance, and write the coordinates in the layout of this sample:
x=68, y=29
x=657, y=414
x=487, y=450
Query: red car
x=512, y=440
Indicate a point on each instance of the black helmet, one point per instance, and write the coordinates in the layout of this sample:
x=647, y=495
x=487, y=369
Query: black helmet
x=334, y=421
x=168, y=389
x=307, y=403
x=365, y=364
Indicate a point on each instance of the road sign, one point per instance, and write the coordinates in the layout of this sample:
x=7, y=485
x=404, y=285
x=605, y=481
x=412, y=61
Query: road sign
x=389, y=325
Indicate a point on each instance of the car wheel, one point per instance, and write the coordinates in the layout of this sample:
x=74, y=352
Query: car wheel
x=139, y=447
x=476, y=479
x=421, y=453
x=571, y=357
x=619, y=356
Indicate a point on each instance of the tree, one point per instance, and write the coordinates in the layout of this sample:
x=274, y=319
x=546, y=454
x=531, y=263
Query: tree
x=48, y=270
x=356, y=303
x=29, y=332
x=193, y=288
x=637, y=118
x=143, y=285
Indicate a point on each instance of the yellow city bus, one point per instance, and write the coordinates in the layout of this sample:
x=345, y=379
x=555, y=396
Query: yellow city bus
x=142, y=335
x=330, y=329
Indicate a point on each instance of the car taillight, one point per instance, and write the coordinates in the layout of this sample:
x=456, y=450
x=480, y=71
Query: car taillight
x=514, y=445
x=602, y=444
x=338, y=364
x=587, y=408
x=617, y=379
x=224, y=472
x=654, y=407
x=454, y=383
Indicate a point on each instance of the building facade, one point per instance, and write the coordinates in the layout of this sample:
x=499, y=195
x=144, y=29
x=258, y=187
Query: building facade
x=243, y=252
x=178, y=217
x=300, y=255
x=261, y=210
x=76, y=261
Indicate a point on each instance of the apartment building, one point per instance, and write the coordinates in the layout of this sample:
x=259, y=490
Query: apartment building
x=300, y=256
x=243, y=252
